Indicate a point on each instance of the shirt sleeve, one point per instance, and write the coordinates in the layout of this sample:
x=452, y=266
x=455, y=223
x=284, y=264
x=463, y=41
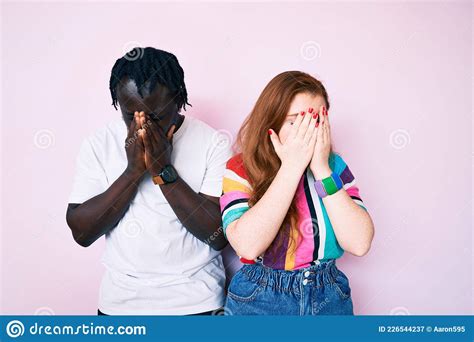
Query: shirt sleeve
x=90, y=179
x=348, y=180
x=216, y=164
x=236, y=192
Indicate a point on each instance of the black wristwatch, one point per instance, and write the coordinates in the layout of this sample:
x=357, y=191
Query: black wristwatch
x=167, y=175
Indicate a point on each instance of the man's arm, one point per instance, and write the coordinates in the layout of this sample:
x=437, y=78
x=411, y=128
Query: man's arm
x=90, y=220
x=199, y=213
x=93, y=218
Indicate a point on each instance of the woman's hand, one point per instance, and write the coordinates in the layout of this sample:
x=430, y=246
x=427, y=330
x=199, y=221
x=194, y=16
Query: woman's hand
x=320, y=159
x=298, y=148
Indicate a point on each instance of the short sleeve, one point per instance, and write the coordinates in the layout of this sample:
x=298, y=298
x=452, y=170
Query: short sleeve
x=348, y=179
x=236, y=192
x=90, y=179
x=216, y=164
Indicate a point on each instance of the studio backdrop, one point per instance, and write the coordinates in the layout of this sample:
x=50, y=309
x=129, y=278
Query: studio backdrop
x=399, y=78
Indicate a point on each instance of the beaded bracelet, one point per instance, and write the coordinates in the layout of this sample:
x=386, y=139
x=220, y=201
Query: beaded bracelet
x=329, y=185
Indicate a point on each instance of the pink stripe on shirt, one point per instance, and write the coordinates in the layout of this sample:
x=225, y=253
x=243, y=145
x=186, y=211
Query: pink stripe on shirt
x=306, y=247
x=232, y=196
x=353, y=191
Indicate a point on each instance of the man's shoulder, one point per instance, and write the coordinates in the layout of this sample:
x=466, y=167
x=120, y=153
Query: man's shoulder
x=114, y=129
x=200, y=125
x=212, y=138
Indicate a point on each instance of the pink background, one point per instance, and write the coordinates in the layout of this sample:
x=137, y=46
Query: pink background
x=400, y=79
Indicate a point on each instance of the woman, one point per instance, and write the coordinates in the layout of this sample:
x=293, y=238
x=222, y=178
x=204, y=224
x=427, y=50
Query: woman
x=290, y=206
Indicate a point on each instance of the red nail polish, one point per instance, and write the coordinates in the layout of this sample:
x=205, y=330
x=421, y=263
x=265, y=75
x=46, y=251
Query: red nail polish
x=315, y=116
x=317, y=124
x=310, y=110
x=270, y=131
x=302, y=113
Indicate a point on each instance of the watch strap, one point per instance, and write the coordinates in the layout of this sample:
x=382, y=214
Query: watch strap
x=158, y=180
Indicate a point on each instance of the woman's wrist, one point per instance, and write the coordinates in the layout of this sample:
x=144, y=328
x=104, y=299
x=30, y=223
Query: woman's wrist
x=293, y=169
x=321, y=172
x=328, y=185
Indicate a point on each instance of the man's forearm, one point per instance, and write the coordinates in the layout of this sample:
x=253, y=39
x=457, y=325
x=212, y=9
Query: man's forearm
x=199, y=215
x=95, y=217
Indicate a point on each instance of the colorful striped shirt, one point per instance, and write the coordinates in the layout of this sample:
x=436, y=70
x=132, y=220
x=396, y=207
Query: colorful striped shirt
x=315, y=236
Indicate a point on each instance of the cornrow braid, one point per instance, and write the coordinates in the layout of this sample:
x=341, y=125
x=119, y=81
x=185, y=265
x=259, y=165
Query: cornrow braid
x=151, y=65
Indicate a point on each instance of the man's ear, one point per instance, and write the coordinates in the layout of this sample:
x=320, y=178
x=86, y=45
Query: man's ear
x=170, y=133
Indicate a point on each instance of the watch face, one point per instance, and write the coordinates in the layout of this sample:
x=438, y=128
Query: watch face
x=169, y=174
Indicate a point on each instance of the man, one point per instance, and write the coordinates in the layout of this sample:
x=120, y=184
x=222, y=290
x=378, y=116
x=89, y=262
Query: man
x=151, y=183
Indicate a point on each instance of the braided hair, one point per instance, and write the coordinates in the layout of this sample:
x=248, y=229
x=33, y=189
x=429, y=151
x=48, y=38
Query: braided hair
x=151, y=65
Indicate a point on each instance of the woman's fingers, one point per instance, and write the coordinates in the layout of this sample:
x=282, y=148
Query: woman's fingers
x=275, y=141
x=328, y=127
x=311, y=123
x=313, y=138
x=296, y=124
x=304, y=125
x=311, y=126
x=325, y=125
x=320, y=135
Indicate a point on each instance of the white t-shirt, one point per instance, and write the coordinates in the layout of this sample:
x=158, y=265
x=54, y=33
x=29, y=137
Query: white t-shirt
x=154, y=266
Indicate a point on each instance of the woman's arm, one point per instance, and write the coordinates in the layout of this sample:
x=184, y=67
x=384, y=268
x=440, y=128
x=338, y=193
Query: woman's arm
x=352, y=224
x=255, y=230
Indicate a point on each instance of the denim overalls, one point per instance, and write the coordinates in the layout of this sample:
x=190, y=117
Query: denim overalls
x=320, y=289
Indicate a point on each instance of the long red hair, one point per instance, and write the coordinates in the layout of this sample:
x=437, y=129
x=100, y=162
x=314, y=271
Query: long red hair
x=260, y=161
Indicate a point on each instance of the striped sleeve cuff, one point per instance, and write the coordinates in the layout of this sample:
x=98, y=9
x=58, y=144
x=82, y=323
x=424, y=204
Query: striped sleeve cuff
x=349, y=184
x=233, y=214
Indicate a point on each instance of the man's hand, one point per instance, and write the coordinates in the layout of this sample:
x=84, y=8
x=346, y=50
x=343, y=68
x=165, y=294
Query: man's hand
x=100, y=214
x=135, y=149
x=158, y=145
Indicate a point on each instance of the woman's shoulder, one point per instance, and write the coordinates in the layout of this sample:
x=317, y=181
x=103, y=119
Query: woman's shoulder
x=236, y=165
x=336, y=162
x=235, y=161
